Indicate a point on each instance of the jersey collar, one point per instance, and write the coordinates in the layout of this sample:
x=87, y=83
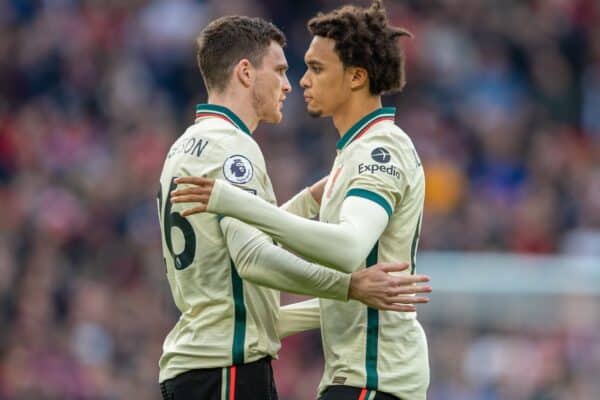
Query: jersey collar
x=363, y=125
x=213, y=110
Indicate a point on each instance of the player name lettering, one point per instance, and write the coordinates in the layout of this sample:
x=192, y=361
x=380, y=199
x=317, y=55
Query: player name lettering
x=191, y=146
x=372, y=168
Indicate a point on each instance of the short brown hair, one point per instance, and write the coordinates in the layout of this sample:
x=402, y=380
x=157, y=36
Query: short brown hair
x=227, y=40
x=363, y=38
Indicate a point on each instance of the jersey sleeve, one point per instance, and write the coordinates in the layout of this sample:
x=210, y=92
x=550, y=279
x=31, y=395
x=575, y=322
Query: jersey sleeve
x=299, y=317
x=343, y=246
x=378, y=173
x=260, y=261
x=236, y=160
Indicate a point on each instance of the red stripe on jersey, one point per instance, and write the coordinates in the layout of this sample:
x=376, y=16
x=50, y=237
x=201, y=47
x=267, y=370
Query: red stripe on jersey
x=335, y=176
x=204, y=114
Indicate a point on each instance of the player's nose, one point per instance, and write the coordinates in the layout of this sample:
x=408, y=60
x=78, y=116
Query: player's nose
x=304, y=80
x=287, y=87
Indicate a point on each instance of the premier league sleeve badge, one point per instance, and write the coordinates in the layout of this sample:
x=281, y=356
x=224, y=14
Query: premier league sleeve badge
x=238, y=170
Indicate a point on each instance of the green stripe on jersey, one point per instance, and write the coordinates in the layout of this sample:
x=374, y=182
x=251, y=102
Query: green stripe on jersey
x=375, y=197
x=413, y=248
x=239, y=330
x=372, y=333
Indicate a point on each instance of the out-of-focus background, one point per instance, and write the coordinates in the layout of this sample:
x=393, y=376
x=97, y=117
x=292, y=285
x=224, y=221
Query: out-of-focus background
x=502, y=102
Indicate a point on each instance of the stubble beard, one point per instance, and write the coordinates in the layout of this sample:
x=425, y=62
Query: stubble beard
x=314, y=113
x=261, y=108
x=257, y=103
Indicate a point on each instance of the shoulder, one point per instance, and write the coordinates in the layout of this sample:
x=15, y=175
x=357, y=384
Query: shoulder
x=224, y=136
x=243, y=146
x=239, y=157
x=388, y=134
x=212, y=128
x=387, y=144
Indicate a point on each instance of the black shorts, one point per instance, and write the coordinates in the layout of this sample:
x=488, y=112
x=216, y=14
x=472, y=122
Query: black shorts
x=252, y=381
x=338, y=392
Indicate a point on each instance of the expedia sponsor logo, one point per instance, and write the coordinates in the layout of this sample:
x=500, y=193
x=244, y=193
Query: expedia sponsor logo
x=391, y=170
x=381, y=155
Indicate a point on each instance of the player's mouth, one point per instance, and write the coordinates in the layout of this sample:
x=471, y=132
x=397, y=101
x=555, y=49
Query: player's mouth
x=307, y=99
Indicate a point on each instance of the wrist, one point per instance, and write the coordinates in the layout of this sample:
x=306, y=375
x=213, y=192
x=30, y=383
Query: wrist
x=213, y=202
x=352, y=287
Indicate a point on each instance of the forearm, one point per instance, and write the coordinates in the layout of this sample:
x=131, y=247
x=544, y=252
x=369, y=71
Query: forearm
x=342, y=246
x=299, y=317
x=259, y=261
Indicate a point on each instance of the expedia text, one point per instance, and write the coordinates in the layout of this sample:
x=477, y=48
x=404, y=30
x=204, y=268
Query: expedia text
x=391, y=170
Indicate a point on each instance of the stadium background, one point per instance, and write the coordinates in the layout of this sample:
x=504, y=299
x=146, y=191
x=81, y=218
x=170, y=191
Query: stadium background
x=502, y=101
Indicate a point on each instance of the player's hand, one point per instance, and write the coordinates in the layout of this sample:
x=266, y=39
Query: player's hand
x=199, y=193
x=317, y=189
x=377, y=288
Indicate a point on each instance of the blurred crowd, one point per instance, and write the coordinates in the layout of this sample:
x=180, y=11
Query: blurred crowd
x=502, y=102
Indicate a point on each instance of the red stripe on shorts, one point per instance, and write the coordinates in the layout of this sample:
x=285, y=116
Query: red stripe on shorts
x=232, y=384
x=363, y=394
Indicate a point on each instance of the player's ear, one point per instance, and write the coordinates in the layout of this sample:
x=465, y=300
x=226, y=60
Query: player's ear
x=244, y=72
x=359, y=77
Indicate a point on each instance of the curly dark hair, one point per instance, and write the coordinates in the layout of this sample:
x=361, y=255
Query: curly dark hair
x=227, y=40
x=363, y=38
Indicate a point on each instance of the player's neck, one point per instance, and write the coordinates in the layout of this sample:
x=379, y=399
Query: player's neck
x=238, y=105
x=353, y=110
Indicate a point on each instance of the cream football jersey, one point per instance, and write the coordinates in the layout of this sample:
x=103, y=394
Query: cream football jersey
x=364, y=347
x=224, y=321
